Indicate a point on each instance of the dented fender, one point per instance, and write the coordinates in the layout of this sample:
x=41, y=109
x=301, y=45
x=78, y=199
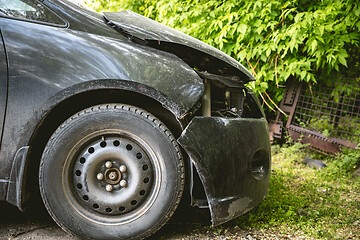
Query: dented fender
x=232, y=158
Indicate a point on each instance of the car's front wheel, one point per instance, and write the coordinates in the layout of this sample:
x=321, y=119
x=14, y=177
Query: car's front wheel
x=111, y=171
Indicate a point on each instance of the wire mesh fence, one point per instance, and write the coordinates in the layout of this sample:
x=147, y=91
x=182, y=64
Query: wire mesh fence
x=333, y=111
x=325, y=116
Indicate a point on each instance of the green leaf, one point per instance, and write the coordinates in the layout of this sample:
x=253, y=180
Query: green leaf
x=342, y=60
x=358, y=25
x=320, y=39
x=298, y=17
x=242, y=28
x=357, y=11
x=302, y=75
x=264, y=85
x=220, y=24
x=263, y=58
x=292, y=45
x=268, y=51
x=313, y=45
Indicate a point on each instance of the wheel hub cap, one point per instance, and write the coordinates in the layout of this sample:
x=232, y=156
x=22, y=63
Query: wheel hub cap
x=112, y=176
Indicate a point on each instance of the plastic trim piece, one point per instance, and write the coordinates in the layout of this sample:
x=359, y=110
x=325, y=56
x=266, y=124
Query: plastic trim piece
x=16, y=187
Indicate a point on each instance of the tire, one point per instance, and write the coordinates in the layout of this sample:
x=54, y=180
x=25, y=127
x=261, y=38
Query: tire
x=111, y=171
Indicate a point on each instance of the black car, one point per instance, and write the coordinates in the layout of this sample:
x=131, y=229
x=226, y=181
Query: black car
x=114, y=117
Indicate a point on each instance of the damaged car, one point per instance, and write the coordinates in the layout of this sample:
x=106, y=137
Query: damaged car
x=113, y=118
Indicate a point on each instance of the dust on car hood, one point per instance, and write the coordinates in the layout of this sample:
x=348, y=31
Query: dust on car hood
x=196, y=53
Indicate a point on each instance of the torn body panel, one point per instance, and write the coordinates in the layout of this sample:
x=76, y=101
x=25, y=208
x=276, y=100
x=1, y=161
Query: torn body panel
x=232, y=157
x=191, y=50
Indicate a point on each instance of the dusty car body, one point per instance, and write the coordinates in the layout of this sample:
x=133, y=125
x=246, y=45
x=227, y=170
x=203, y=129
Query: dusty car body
x=62, y=62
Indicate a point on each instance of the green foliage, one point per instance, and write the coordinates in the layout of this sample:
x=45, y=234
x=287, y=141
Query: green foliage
x=343, y=164
x=275, y=39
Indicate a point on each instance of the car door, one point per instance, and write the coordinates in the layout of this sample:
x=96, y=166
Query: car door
x=3, y=85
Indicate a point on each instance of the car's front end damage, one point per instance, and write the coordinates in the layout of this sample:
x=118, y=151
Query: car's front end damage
x=225, y=132
x=229, y=147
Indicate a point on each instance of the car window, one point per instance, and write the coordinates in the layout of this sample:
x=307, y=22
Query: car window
x=29, y=10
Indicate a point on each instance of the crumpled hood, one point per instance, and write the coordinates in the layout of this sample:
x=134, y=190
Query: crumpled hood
x=196, y=53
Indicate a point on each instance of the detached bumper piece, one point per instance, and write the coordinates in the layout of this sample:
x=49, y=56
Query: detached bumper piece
x=232, y=158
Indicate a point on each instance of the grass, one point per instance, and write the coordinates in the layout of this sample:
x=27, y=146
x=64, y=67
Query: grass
x=320, y=204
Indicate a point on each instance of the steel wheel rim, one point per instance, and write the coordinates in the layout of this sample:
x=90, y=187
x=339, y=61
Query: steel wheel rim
x=89, y=157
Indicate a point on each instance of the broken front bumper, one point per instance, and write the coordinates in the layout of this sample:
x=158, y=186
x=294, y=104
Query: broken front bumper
x=232, y=158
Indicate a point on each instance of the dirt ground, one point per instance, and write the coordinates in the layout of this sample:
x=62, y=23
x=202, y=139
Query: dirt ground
x=36, y=224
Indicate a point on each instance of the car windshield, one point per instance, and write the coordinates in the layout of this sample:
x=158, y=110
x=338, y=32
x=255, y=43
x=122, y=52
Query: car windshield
x=28, y=9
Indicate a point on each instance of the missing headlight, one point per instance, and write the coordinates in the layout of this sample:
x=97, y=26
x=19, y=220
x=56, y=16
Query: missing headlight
x=226, y=96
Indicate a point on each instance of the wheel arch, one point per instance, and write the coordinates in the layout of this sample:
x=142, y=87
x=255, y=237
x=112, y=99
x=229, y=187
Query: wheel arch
x=81, y=96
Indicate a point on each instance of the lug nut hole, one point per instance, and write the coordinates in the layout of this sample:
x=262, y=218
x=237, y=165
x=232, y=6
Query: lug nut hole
x=79, y=186
x=121, y=209
x=96, y=206
x=103, y=144
x=108, y=210
x=138, y=155
x=82, y=160
x=129, y=147
x=146, y=180
x=86, y=197
x=116, y=143
x=145, y=167
x=142, y=192
x=78, y=173
x=91, y=150
x=133, y=202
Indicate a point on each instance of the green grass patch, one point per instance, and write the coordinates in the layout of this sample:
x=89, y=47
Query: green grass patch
x=321, y=204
